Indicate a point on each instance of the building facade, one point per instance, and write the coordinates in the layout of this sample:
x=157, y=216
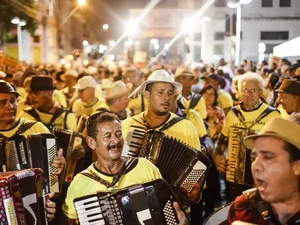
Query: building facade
x=265, y=23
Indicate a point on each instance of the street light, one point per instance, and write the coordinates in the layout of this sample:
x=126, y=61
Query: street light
x=20, y=24
x=81, y=2
x=238, y=5
x=112, y=43
x=105, y=26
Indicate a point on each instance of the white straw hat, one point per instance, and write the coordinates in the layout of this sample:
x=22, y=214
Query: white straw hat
x=157, y=76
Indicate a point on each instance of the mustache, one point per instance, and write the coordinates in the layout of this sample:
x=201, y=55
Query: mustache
x=117, y=145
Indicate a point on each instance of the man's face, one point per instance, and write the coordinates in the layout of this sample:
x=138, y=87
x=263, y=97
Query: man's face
x=250, y=93
x=39, y=98
x=122, y=102
x=109, y=141
x=86, y=94
x=186, y=81
x=160, y=98
x=212, y=82
x=8, y=107
x=288, y=101
x=275, y=177
x=131, y=77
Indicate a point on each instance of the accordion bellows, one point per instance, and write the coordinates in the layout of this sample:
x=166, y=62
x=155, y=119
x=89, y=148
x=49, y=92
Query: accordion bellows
x=180, y=165
x=149, y=203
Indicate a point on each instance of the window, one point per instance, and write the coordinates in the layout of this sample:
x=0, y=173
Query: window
x=219, y=36
x=285, y=3
x=218, y=49
x=197, y=53
x=267, y=3
x=274, y=35
x=197, y=37
x=220, y=3
x=269, y=48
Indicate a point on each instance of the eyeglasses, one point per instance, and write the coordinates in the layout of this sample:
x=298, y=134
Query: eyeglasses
x=250, y=91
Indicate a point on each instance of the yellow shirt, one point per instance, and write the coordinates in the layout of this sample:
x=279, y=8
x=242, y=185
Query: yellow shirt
x=82, y=185
x=183, y=130
x=80, y=108
x=71, y=122
x=122, y=116
x=224, y=99
x=250, y=116
x=136, y=104
x=200, y=107
x=36, y=128
x=283, y=113
x=197, y=121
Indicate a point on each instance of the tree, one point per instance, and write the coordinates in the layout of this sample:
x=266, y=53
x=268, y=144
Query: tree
x=16, y=8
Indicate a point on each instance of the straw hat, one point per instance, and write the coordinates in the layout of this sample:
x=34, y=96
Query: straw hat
x=117, y=89
x=70, y=72
x=280, y=128
x=289, y=86
x=85, y=82
x=158, y=76
x=183, y=71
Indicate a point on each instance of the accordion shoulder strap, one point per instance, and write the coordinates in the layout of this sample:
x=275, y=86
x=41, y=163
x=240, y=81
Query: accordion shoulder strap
x=24, y=126
x=240, y=116
x=56, y=114
x=129, y=165
x=195, y=99
x=171, y=123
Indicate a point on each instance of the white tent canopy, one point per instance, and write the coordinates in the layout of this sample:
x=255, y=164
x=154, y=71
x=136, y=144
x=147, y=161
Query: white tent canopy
x=288, y=49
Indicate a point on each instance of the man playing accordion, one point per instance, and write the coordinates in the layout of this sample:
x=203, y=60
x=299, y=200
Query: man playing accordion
x=10, y=125
x=110, y=171
x=248, y=117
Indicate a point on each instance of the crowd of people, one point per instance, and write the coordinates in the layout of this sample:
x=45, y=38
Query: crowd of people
x=224, y=111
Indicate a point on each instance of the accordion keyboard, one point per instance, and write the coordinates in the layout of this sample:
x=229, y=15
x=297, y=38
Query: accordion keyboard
x=89, y=211
x=199, y=170
x=233, y=150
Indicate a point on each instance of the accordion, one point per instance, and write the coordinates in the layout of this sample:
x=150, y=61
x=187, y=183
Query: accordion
x=239, y=158
x=68, y=140
x=180, y=165
x=81, y=123
x=22, y=198
x=37, y=151
x=149, y=203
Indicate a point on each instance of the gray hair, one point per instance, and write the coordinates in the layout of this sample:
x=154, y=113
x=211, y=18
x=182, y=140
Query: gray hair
x=250, y=76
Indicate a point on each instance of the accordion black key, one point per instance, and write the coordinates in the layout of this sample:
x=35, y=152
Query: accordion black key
x=180, y=165
x=22, y=198
x=149, y=203
x=37, y=151
x=68, y=140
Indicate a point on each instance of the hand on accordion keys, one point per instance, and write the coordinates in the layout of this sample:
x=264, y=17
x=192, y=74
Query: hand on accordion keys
x=50, y=207
x=59, y=162
x=221, y=163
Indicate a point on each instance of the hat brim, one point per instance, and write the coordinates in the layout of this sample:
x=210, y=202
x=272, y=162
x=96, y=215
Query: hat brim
x=63, y=77
x=125, y=92
x=48, y=89
x=142, y=87
x=250, y=140
x=184, y=74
